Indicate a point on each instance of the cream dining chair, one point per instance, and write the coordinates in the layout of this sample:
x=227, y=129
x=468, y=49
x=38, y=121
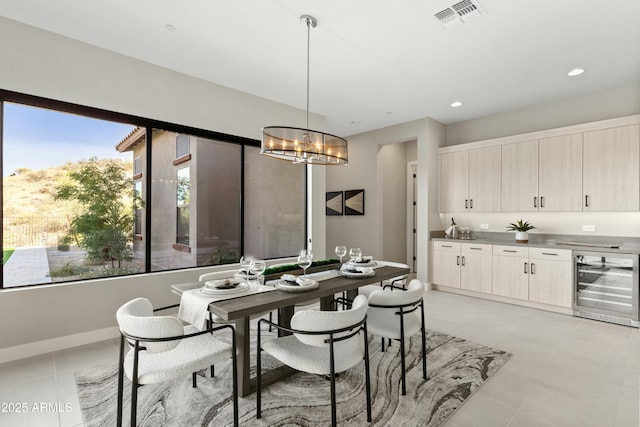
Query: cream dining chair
x=161, y=349
x=398, y=314
x=323, y=343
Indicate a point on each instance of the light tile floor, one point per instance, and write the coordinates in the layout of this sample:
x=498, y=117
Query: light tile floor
x=565, y=371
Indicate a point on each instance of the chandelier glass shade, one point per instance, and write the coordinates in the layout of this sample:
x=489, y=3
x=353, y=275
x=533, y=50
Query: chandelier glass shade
x=304, y=145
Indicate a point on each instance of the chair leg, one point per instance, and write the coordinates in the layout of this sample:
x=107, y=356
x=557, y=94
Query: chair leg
x=424, y=343
x=134, y=385
x=366, y=373
x=402, y=363
x=134, y=402
x=270, y=320
x=213, y=371
x=334, y=418
x=120, y=382
x=383, y=344
x=194, y=383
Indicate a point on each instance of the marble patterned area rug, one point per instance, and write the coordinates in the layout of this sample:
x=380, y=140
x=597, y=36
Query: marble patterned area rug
x=456, y=369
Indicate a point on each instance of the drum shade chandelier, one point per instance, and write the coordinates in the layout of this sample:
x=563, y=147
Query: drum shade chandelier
x=304, y=145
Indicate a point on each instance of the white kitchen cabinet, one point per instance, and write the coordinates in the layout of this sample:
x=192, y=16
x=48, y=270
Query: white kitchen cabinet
x=462, y=265
x=484, y=179
x=446, y=263
x=611, y=173
x=519, y=183
x=560, y=174
x=510, y=272
x=470, y=180
x=454, y=181
x=550, y=276
x=475, y=269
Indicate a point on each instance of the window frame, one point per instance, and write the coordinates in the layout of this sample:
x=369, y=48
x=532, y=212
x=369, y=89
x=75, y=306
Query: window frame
x=150, y=125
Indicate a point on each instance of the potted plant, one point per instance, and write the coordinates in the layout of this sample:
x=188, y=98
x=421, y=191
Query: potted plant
x=521, y=229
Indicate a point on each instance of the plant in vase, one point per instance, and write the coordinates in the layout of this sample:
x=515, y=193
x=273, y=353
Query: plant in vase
x=521, y=229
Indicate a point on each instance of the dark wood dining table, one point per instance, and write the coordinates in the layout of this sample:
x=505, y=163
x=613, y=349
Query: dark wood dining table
x=241, y=309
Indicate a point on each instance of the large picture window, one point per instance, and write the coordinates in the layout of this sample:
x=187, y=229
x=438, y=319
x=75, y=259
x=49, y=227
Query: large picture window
x=118, y=195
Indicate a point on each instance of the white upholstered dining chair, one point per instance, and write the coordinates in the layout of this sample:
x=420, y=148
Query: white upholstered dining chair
x=398, y=314
x=161, y=349
x=397, y=282
x=323, y=343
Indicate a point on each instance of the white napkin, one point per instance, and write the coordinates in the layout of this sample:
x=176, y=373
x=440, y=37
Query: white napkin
x=302, y=281
x=364, y=259
x=356, y=269
x=223, y=283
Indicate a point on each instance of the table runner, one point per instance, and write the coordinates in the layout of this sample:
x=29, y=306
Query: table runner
x=194, y=304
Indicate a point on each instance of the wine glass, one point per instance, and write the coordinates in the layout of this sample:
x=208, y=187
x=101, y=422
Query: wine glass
x=354, y=254
x=245, y=264
x=341, y=251
x=257, y=268
x=304, y=260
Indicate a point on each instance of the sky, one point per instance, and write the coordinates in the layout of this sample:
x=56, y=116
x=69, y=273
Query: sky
x=37, y=138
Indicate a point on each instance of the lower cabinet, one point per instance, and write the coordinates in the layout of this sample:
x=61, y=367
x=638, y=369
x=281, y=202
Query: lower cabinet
x=446, y=264
x=537, y=275
x=550, y=277
x=475, y=271
x=462, y=265
x=511, y=272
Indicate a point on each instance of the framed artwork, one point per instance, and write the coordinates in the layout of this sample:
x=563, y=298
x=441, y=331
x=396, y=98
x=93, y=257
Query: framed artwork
x=334, y=203
x=354, y=202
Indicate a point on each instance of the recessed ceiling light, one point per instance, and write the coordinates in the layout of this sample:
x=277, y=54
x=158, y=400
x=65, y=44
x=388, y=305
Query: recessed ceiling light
x=456, y=104
x=575, y=72
x=170, y=27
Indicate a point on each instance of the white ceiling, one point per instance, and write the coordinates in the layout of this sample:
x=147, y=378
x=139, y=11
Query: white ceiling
x=374, y=63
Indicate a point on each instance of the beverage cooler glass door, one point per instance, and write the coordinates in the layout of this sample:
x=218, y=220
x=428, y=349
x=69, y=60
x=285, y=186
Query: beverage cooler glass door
x=607, y=283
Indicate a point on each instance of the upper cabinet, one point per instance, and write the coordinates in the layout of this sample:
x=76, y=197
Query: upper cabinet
x=454, y=181
x=520, y=177
x=591, y=167
x=610, y=174
x=484, y=179
x=560, y=174
x=470, y=180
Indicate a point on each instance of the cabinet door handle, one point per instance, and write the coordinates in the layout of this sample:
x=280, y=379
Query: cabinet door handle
x=471, y=203
x=509, y=250
x=533, y=268
x=525, y=267
x=535, y=202
x=463, y=261
x=476, y=249
x=549, y=253
x=542, y=201
x=586, y=200
x=466, y=203
x=458, y=260
x=446, y=246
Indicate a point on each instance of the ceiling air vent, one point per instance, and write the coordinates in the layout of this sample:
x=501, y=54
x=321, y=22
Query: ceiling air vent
x=459, y=13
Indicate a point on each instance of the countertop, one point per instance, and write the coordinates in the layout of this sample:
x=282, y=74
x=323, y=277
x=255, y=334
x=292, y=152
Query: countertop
x=628, y=245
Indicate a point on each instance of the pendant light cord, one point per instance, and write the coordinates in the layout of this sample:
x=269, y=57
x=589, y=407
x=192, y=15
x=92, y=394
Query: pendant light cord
x=308, y=55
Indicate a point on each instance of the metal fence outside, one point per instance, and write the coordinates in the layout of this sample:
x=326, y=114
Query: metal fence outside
x=33, y=231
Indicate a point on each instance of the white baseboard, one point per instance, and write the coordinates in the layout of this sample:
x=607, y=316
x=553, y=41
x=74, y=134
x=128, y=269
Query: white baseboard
x=55, y=344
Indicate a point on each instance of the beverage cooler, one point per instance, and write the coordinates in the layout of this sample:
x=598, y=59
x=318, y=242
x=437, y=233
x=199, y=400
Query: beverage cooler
x=606, y=287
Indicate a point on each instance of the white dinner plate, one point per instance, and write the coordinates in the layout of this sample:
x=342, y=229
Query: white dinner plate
x=209, y=290
x=371, y=263
x=284, y=286
x=354, y=275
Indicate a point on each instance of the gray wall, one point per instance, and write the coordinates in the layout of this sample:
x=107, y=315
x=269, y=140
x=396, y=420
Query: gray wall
x=371, y=163
x=608, y=104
